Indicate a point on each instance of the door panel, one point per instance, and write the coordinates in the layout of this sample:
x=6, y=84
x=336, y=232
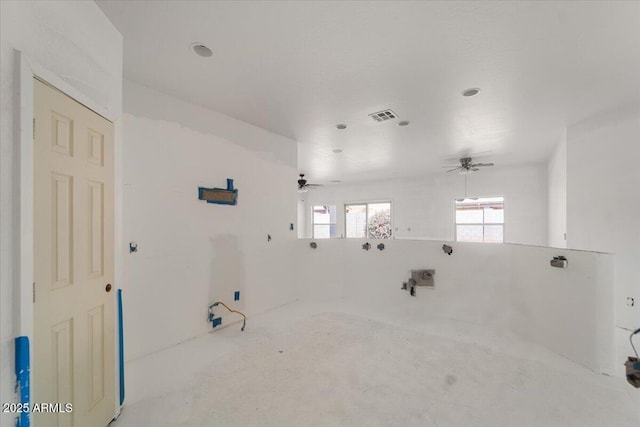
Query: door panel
x=96, y=368
x=62, y=229
x=96, y=228
x=74, y=330
x=62, y=364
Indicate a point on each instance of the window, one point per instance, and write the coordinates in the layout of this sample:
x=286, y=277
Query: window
x=480, y=220
x=324, y=222
x=370, y=220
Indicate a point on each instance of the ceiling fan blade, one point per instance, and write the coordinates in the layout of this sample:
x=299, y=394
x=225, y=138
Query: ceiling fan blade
x=475, y=165
x=314, y=185
x=454, y=169
x=474, y=169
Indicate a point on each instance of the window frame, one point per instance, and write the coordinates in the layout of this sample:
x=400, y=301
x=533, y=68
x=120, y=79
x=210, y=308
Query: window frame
x=313, y=223
x=367, y=203
x=503, y=223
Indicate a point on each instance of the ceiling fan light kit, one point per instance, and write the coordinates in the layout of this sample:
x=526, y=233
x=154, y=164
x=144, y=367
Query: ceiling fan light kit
x=304, y=186
x=467, y=167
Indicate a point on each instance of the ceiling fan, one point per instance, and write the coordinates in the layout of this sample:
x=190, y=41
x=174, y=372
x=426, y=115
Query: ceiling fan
x=304, y=186
x=467, y=166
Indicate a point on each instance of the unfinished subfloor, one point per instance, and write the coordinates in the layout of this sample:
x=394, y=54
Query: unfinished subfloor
x=336, y=365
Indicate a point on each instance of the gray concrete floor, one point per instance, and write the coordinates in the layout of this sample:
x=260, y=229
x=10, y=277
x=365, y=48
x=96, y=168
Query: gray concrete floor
x=335, y=365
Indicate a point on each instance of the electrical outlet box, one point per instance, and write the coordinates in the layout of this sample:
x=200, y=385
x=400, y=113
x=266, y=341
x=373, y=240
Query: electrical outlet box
x=216, y=321
x=559, y=262
x=423, y=278
x=236, y=296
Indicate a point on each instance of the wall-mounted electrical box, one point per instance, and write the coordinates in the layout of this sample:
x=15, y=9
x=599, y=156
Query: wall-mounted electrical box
x=419, y=278
x=220, y=196
x=423, y=277
x=215, y=321
x=559, y=261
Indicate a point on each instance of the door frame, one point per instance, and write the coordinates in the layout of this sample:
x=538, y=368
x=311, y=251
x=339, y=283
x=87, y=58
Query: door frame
x=25, y=70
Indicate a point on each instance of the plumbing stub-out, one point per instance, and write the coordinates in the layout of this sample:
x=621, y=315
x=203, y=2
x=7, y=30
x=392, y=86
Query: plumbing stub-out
x=423, y=277
x=559, y=261
x=419, y=278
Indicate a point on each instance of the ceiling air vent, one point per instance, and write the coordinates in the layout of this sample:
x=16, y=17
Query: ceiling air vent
x=381, y=116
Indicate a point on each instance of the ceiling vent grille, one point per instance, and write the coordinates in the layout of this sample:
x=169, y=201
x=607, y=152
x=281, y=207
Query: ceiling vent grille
x=381, y=116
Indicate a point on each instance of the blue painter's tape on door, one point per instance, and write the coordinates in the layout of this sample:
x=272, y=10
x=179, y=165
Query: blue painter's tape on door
x=23, y=373
x=121, y=346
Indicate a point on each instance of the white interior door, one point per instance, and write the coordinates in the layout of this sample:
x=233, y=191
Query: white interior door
x=74, y=325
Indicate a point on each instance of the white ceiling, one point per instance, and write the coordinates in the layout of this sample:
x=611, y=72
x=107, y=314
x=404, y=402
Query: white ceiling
x=299, y=68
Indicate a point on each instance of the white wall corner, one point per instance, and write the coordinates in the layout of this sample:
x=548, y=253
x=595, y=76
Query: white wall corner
x=557, y=194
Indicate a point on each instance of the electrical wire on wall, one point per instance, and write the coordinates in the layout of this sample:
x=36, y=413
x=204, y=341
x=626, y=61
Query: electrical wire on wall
x=633, y=364
x=244, y=318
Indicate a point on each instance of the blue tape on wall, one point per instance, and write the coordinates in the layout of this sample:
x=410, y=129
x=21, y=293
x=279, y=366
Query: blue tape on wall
x=23, y=374
x=121, y=345
x=220, y=196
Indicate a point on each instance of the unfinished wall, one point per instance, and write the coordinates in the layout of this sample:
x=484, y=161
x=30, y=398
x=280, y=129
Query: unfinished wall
x=191, y=253
x=423, y=208
x=603, y=207
x=78, y=44
x=480, y=289
x=603, y=180
x=557, y=194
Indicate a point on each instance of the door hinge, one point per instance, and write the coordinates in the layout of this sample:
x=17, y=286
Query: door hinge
x=34, y=292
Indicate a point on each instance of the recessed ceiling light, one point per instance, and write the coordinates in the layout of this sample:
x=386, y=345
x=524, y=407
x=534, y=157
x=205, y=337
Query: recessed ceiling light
x=337, y=150
x=201, y=50
x=337, y=181
x=403, y=123
x=471, y=91
x=341, y=126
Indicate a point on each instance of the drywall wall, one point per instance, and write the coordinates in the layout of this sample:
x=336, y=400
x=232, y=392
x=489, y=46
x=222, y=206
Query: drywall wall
x=190, y=253
x=603, y=207
x=557, y=194
x=75, y=42
x=603, y=179
x=423, y=208
x=264, y=144
x=504, y=288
